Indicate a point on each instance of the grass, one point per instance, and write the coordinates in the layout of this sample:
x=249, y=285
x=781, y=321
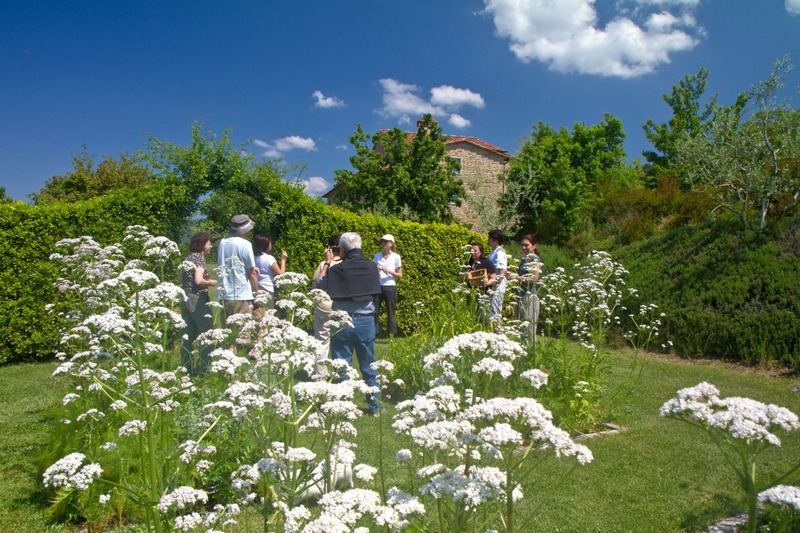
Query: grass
x=657, y=475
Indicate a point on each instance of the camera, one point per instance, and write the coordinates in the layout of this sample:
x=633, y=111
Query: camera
x=335, y=249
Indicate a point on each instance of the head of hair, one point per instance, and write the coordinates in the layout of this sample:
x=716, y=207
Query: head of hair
x=479, y=246
x=497, y=235
x=531, y=239
x=349, y=241
x=198, y=241
x=333, y=240
x=261, y=244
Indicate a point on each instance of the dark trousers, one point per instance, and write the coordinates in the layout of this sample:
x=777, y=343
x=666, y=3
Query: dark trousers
x=389, y=295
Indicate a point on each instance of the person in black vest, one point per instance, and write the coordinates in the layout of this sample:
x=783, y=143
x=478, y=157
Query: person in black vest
x=352, y=285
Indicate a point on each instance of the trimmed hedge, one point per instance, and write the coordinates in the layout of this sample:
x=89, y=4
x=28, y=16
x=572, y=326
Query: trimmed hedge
x=27, y=238
x=726, y=293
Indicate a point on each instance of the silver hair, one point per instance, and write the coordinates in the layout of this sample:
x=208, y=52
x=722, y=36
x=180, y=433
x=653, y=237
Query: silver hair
x=349, y=241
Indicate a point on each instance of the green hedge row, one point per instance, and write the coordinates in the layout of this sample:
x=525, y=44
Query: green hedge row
x=27, y=238
x=726, y=293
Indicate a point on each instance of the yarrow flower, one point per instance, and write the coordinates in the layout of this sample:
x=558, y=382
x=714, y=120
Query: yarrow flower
x=740, y=418
x=782, y=496
x=70, y=472
x=181, y=498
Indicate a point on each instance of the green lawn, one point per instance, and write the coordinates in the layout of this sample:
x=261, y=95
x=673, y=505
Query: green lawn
x=657, y=475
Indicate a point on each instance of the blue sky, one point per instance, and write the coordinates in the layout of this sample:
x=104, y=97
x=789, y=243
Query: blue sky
x=294, y=78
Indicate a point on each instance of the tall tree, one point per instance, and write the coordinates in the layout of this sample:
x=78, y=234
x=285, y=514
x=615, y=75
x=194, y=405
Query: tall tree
x=689, y=119
x=553, y=179
x=749, y=158
x=402, y=174
x=88, y=179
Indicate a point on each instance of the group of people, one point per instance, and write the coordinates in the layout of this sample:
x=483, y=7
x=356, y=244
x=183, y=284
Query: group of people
x=246, y=274
x=496, y=276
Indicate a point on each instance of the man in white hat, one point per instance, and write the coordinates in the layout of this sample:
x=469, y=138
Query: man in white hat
x=237, y=276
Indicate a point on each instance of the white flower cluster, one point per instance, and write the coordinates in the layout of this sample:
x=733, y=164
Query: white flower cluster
x=341, y=511
x=740, y=418
x=470, y=353
x=182, y=498
x=782, y=496
x=70, y=472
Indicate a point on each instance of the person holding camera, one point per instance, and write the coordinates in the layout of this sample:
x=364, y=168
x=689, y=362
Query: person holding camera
x=352, y=285
x=323, y=308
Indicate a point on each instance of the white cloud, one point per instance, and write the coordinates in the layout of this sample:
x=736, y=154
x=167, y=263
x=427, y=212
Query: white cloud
x=326, y=102
x=286, y=144
x=458, y=121
x=451, y=97
x=793, y=7
x=316, y=186
x=566, y=35
x=402, y=101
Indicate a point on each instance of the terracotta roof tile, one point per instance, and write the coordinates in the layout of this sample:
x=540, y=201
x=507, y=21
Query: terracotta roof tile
x=453, y=139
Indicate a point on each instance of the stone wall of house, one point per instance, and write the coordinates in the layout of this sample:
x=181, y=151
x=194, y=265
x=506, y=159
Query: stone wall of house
x=480, y=171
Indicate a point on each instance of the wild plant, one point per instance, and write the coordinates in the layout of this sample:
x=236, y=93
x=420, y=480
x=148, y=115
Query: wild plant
x=474, y=448
x=121, y=333
x=294, y=303
x=586, y=307
x=741, y=429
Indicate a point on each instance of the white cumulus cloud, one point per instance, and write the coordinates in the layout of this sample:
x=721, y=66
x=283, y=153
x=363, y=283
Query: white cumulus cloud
x=567, y=36
x=279, y=147
x=326, y=102
x=458, y=121
x=447, y=96
x=316, y=186
x=793, y=7
x=403, y=102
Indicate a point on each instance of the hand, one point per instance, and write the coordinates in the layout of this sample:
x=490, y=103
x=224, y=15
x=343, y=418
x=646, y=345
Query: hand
x=328, y=255
x=284, y=255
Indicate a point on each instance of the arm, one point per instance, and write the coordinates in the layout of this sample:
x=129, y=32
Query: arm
x=252, y=274
x=280, y=269
x=321, y=282
x=200, y=281
x=397, y=273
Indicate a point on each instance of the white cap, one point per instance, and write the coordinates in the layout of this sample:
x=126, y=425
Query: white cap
x=387, y=237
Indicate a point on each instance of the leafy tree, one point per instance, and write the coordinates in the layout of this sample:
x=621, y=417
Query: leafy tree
x=401, y=174
x=749, y=158
x=88, y=179
x=224, y=179
x=553, y=180
x=210, y=162
x=689, y=119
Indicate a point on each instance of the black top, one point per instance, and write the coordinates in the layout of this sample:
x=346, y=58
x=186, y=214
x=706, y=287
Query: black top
x=355, y=278
x=483, y=262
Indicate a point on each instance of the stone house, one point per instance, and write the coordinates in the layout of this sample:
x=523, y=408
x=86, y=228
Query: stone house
x=482, y=167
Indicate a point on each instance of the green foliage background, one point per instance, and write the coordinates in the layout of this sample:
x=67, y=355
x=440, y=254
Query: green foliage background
x=27, y=238
x=726, y=293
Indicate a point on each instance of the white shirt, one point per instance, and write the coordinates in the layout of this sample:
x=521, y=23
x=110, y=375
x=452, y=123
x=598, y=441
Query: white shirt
x=390, y=262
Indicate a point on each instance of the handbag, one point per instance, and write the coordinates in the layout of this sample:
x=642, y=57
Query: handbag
x=192, y=300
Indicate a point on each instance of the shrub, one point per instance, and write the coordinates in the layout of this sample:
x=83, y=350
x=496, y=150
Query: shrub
x=27, y=238
x=726, y=293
